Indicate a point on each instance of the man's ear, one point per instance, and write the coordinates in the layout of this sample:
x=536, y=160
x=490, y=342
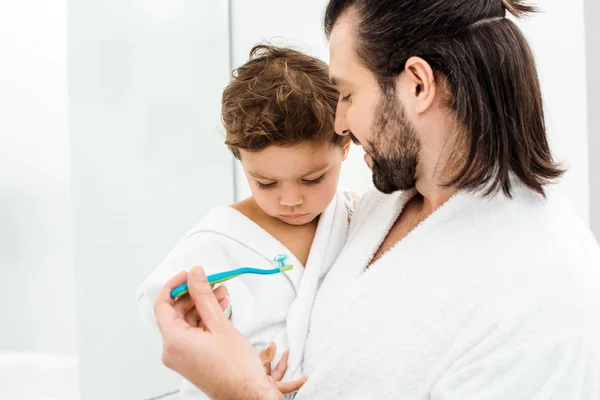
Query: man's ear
x=423, y=87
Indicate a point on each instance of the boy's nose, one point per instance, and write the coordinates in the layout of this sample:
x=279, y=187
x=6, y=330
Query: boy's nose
x=292, y=199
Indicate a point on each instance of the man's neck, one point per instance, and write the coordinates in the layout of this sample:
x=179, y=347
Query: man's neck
x=435, y=166
x=434, y=195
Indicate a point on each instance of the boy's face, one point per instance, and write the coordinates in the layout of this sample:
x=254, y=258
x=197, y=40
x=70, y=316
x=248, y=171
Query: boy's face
x=294, y=184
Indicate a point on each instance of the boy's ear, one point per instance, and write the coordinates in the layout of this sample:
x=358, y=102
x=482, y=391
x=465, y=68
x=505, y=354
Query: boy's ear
x=346, y=150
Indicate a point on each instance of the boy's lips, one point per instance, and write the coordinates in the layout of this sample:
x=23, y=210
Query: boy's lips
x=294, y=215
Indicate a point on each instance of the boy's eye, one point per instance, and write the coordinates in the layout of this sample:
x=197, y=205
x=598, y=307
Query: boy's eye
x=266, y=185
x=345, y=99
x=314, y=181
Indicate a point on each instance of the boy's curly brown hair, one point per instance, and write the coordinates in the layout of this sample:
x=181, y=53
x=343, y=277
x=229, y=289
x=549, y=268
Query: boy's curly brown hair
x=279, y=97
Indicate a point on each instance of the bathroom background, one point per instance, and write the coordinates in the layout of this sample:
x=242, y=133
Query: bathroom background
x=111, y=148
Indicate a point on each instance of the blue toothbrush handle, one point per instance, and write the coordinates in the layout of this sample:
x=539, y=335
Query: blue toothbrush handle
x=223, y=276
x=179, y=291
x=245, y=270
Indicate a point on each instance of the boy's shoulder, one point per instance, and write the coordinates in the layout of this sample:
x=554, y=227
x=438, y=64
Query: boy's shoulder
x=216, y=222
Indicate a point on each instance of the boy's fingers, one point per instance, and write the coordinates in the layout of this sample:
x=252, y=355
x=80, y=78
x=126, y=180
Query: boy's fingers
x=266, y=356
x=289, y=387
x=268, y=353
x=281, y=367
x=208, y=307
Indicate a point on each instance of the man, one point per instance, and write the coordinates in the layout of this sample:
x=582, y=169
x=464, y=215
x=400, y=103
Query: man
x=470, y=279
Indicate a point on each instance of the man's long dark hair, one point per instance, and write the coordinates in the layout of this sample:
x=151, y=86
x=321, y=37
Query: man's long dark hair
x=490, y=71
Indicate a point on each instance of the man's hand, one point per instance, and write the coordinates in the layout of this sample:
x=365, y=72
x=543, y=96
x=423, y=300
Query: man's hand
x=266, y=357
x=215, y=357
x=185, y=305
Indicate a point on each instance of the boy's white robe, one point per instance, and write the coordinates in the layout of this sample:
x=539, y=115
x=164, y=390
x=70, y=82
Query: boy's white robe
x=491, y=298
x=263, y=308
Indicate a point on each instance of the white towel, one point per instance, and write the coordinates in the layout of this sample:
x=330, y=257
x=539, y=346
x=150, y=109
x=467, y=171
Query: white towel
x=261, y=306
x=491, y=298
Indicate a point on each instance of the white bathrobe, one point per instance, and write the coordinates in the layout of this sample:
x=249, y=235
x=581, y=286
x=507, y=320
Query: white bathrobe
x=491, y=298
x=263, y=308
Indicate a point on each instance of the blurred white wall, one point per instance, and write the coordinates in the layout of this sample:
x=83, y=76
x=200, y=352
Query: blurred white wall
x=143, y=157
x=148, y=160
x=36, y=275
x=592, y=15
x=557, y=36
x=560, y=54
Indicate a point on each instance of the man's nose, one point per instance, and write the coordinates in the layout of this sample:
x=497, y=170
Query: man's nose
x=340, y=125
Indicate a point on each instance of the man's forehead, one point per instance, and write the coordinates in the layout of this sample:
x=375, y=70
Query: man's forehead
x=341, y=50
x=341, y=36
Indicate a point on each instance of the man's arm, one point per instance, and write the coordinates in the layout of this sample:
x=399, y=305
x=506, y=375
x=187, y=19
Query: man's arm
x=215, y=358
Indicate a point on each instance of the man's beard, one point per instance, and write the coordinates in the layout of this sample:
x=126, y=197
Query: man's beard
x=394, y=148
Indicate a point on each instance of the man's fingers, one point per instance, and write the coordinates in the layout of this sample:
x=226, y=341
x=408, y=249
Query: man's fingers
x=165, y=292
x=184, y=305
x=289, y=387
x=281, y=367
x=224, y=303
x=208, y=307
x=164, y=305
x=192, y=318
x=220, y=293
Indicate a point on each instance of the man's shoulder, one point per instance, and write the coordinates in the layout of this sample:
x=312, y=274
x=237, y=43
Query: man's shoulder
x=569, y=234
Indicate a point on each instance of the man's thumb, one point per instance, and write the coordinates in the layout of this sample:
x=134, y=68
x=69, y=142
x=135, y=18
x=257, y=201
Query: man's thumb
x=205, y=301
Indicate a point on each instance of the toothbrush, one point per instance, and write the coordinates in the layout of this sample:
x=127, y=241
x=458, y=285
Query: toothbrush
x=213, y=279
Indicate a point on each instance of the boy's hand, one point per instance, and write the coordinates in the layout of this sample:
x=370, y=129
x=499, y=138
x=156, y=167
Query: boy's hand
x=185, y=306
x=266, y=356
